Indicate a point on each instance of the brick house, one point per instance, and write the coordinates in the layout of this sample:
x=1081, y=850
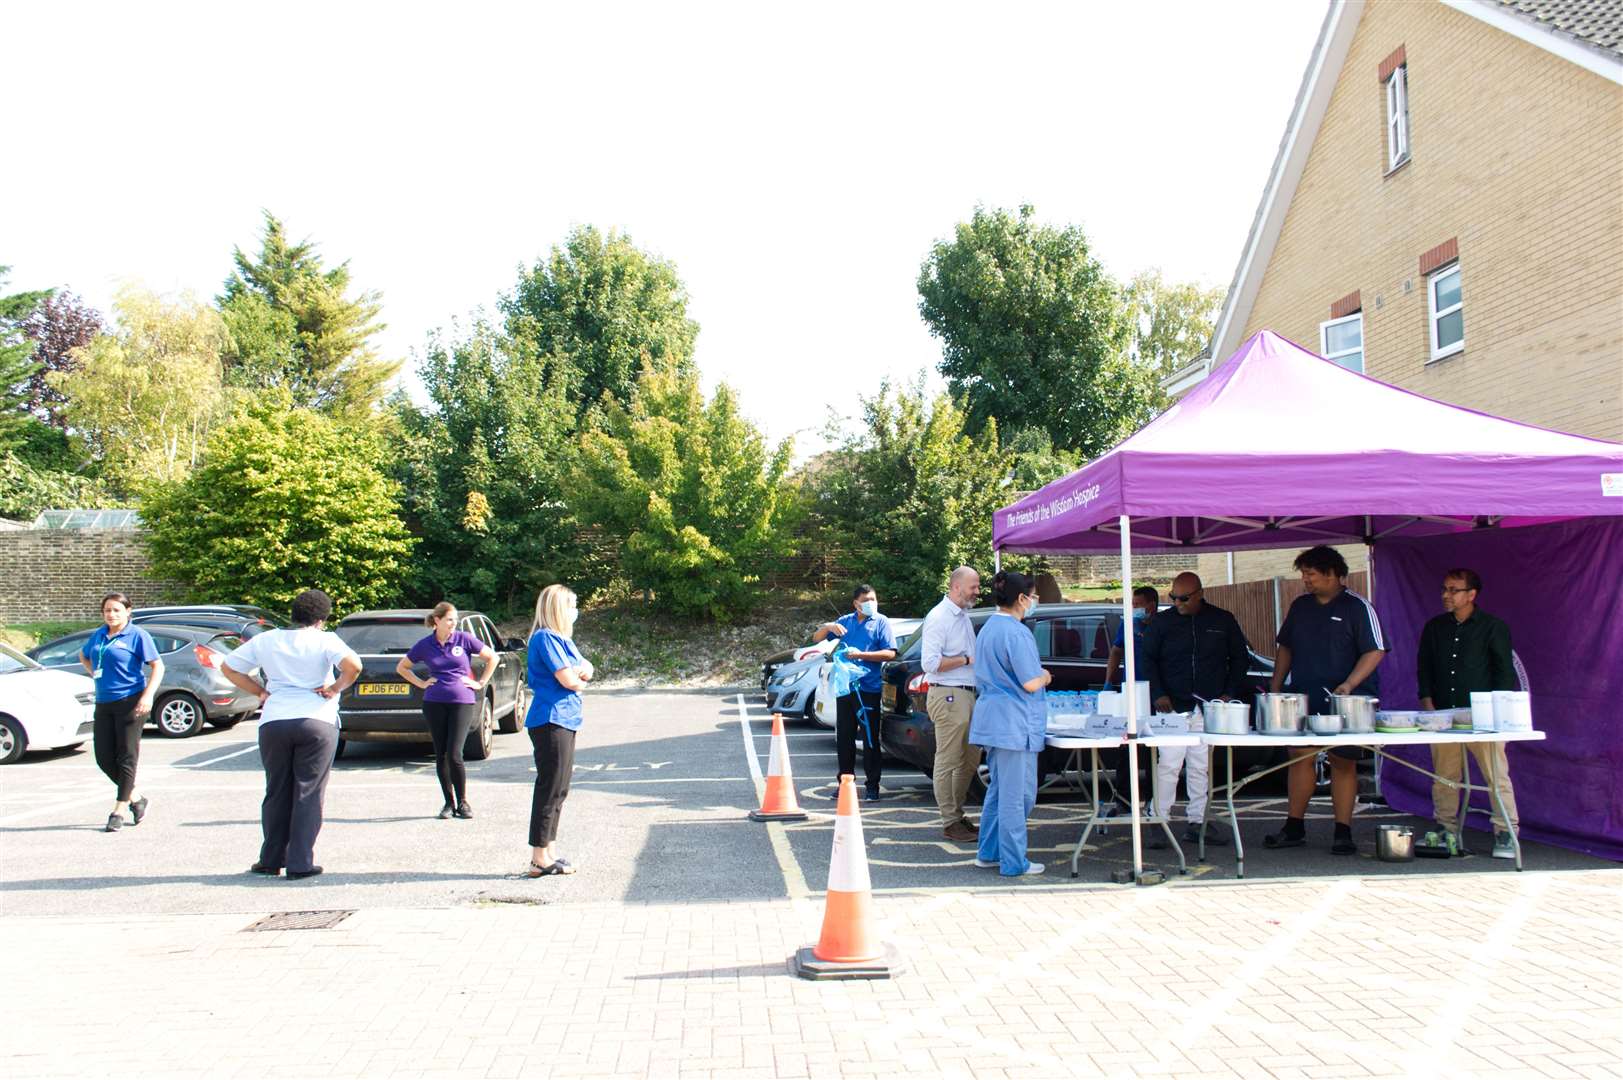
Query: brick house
x=1445, y=214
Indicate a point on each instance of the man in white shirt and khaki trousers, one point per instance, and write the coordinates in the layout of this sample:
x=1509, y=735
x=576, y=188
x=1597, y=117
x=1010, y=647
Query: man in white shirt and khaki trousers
x=948, y=659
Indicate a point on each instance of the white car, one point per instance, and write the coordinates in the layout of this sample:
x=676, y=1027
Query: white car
x=41, y=709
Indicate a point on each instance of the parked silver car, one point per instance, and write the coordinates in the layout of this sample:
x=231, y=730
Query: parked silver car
x=193, y=690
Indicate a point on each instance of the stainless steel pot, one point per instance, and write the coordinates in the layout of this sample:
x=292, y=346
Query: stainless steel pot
x=1281, y=714
x=1357, y=712
x=1227, y=717
x=1320, y=724
x=1394, y=843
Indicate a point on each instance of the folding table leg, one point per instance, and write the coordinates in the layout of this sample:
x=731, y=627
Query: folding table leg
x=1499, y=804
x=1076, y=856
x=1234, y=821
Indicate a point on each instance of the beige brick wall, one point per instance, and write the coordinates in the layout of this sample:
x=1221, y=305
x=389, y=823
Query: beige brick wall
x=1516, y=152
x=64, y=573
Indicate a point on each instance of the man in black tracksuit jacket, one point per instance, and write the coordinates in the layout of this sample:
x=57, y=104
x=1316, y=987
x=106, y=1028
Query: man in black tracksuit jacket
x=1191, y=648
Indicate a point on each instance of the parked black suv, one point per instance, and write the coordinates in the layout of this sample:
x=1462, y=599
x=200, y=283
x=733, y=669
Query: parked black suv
x=1074, y=642
x=382, y=707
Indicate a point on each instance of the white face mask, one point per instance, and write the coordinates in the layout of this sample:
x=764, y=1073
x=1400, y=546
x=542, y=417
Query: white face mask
x=869, y=608
x=1031, y=609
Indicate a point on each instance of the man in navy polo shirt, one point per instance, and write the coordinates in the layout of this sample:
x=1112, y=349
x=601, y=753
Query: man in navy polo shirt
x=869, y=642
x=1331, y=643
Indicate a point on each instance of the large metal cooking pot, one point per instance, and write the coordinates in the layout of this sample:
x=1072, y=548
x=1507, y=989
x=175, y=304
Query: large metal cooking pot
x=1227, y=717
x=1357, y=712
x=1281, y=714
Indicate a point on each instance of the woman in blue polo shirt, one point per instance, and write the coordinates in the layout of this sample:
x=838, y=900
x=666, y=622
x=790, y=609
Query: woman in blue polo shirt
x=114, y=656
x=558, y=673
x=1011, y=722
x=450, y=698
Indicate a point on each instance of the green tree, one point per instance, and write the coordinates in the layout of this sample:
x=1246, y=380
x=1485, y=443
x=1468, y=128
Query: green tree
x=286, y=499
x=1033, y=332
x=292, y=323
x=1171, y=323
x=145, y=396
x=17, y=363
x=691, y=487
x=604, y=307
x=912, y=495
x=483, y=472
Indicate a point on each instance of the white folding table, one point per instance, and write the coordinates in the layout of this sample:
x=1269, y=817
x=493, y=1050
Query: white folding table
x=1093, y=744
x=1378, y=742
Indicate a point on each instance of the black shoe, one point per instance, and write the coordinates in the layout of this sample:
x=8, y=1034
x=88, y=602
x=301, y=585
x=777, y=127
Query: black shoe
x=446, y=811
x=261, y=868
x=115, y=822
x=1284, y=839
x=1216, y=835
x=298, y=875
x=1344, y=844
x=1157, y=839
x=873, y=794
x=138, y=810
x=463, y=810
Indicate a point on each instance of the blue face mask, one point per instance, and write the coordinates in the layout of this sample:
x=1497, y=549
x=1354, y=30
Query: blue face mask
x=870, y=608
x=1140, y=615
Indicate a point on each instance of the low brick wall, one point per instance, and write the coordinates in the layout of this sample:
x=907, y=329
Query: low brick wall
x=64, y=573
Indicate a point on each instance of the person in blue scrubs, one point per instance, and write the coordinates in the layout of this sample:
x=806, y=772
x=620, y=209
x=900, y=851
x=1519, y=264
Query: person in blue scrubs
x=1010, y=722
x=869, y=642
x=115, y=656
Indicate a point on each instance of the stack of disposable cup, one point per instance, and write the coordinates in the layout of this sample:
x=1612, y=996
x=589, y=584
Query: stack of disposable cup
x=1482, y=711
x=1141, y=692
x=1512, y=710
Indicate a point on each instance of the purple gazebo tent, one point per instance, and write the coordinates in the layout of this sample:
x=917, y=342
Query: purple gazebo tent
x=1279, y=447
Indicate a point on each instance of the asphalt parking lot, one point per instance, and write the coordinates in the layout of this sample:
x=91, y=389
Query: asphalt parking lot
x=661, y=787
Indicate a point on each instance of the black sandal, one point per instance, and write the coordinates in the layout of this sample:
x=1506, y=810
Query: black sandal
x=558, y=866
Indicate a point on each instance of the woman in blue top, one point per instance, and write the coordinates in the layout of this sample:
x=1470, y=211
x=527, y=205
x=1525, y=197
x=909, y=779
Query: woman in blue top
x=1011, y=721
x=558, y=673
x=451, y=696
x=114, y=656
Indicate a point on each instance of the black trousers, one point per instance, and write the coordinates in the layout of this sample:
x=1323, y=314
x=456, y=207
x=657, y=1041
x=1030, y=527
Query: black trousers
x=297, y=755
x=448, y=724
x=117, y=739
x=554, y=762
x=846, y=723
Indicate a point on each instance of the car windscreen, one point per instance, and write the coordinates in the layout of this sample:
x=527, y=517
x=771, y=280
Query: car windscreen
x=11, y=660
x=382, y=638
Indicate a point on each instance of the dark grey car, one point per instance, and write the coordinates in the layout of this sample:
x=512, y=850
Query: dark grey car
x=383, y=707
x=193, y=690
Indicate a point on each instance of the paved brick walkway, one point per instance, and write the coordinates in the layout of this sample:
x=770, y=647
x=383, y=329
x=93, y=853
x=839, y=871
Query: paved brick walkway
x=1469, y=975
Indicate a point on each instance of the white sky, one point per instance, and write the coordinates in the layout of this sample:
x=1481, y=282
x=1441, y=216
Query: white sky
x=796, y=163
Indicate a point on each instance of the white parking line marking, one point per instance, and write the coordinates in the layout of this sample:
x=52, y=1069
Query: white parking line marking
x=251, y=748
x=794, y=879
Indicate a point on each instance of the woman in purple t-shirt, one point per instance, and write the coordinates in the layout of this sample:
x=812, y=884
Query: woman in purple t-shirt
x=450, y=698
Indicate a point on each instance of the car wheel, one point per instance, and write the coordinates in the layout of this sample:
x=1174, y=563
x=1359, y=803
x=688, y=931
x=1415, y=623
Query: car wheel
x=521, y=705
x=483, y=737
x=338, y=751
x=977, y=785
x=13, y=740
x=178, y=716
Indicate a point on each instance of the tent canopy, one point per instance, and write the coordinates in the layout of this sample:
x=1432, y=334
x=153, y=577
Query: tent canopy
x=1279, y=447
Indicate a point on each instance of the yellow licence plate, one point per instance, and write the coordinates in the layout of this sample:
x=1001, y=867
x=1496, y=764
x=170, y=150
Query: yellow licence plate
x=389, y=689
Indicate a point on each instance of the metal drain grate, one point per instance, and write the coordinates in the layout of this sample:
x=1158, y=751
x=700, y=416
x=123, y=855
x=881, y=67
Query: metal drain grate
x=300, y=920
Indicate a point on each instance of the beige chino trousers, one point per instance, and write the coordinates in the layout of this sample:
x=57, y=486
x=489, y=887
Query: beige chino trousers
x=950, y=709
x=1449, y=760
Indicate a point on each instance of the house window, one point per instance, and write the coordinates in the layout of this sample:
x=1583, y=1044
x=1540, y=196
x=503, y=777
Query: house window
x=1397, y=117
x=1447, y=312
x=1342, y=340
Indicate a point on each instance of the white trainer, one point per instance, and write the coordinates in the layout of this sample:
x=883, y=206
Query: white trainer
x=1033, y=868
x=986, y=865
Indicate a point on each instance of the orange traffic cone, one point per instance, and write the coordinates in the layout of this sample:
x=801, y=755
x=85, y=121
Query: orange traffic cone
x=778, y=801
x=849, y=946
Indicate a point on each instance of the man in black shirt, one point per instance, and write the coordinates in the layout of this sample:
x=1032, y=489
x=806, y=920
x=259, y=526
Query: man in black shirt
x=1462, y=650
x=1192, y=648
x=1331, y=643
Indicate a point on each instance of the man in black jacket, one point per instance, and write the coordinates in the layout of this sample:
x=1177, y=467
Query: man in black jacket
x=1192, y=648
